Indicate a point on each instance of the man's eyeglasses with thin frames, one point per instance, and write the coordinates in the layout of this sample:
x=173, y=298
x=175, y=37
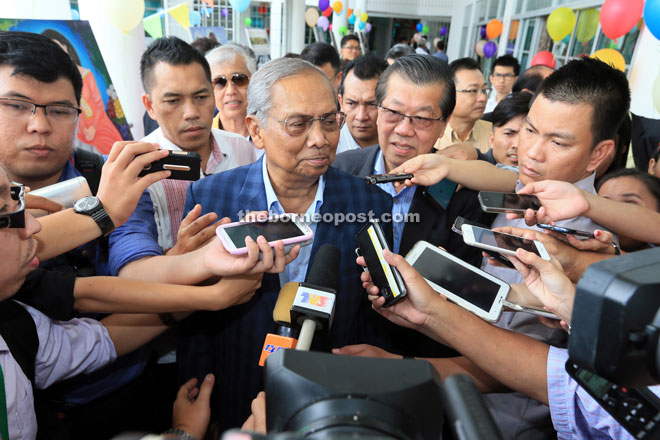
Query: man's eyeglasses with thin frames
x=395, y=117
x=19, y=109
x=300, y=124
x=15, y=219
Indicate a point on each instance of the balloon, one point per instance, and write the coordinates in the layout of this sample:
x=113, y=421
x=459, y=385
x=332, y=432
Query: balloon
x=364, y=17
x=195, y=18
x=323, y=23
x=248, y=22
x=544, y=58
x=350, y=12
x=479, y=47
x=327, y=12
x=240, y=5
x=330, y=27
x=560, y=23
x=337, y=7
x=343, y=30
x=351, y=20
x=652, y=17
x=224, y=12
x=656, y=93
x=513, y=30
x=361, y=25
x=587, y=25
x=324, y=4
x=493, y=29
x=311, y=17
x=490, y=49
x=419, y=27
x=482, y=31
x=443, y=31
x=75, y=15
x=369, y=27
x=611, y=57
x=567, y=39
x=124, y=14
x=617, y=17
x=425, y=30
x=613, y=45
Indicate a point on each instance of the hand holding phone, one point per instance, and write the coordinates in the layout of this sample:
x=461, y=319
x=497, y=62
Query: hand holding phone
x=183, y=165
x=384, y=178
x=498, y=202
x=566, y=231
x=503, y=243
x=289, y=228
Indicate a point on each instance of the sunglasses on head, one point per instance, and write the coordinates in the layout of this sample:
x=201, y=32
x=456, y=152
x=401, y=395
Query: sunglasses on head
x=238, y=79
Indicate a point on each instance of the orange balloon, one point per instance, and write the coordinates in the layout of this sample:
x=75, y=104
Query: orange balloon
x=493, y=29
x=513, y=32
x=350, y=12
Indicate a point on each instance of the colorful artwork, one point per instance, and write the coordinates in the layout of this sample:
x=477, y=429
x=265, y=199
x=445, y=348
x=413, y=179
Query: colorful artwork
x=102, y=121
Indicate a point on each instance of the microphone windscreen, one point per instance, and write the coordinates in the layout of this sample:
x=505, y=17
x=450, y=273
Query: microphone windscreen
x=282, y=310
x=325, y=269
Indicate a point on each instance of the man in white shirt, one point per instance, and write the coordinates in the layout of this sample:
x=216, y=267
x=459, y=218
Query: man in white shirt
x=505, y=73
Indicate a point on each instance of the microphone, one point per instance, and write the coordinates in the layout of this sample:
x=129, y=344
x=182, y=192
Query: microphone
x=286, y=335
x=314, y=305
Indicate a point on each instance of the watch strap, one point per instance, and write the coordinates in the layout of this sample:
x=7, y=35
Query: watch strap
x=104, y=221
x=178, y=434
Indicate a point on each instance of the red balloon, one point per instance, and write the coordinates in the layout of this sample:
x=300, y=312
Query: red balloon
x=328, y=12
x=617, y=17
x=544, y=58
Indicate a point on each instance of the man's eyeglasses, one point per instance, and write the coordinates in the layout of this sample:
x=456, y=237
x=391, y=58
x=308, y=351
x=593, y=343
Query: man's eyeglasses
x=237, y=79
x=476, y=92
x=394, y=117
x=351, y=47
x=301, y=124
x=19, y=109
x=503, y=75
x=15, y=219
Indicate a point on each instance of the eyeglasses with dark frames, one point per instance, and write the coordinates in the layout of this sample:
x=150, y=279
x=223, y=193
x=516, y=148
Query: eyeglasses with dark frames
x=298, y=125
x=15, y=219
x=395, y=117
x=237, y=79
x=20, y=109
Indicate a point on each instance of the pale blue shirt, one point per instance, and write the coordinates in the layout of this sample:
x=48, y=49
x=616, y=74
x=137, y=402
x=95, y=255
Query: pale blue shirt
x=401, y=202
x=296, y=270
x=346, y=140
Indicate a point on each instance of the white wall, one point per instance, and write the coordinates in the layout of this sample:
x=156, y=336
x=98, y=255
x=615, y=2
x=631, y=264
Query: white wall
x=644, y=69
x=37, y=9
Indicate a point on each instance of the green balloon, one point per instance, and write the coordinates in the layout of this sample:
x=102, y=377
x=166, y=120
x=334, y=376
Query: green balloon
x=248, y=22
x=425, y=30
x=343, y=30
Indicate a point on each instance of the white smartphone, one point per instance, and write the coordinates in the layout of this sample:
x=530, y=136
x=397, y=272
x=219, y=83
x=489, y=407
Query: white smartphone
x=499, y=242
x=498, y=202
x=286, y=227
x=463, y=284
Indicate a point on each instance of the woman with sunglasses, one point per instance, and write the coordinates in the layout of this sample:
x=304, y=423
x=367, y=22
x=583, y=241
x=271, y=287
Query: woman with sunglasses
x=231, y=68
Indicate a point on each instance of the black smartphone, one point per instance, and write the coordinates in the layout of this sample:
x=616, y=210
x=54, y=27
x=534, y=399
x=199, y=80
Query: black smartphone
x=441, y=193
x=456, y=227
x=383, y=178
x=184, y=165
x=564, y=230
x=371, y=242
x=508, y=202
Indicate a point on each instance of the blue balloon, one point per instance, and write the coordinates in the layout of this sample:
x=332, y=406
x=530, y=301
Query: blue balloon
x=240, y=5
x=652, y=17
x=361, y=25
x=567, y=39
x=75, y=15
x=420, y=26
x=195, y=18
x=351, y=19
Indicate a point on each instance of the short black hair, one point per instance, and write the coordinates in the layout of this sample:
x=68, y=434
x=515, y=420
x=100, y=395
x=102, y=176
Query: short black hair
x=204, y=44
x=364, y=67
x=440, y=44
x=592, y=82
x=531, y=79
x=421, y=70
x=507, y=61
x=651, y=182
x=320, y=54
x=348, y=38
x=463, y=64
x=399, y=50
x=173, y=51
x=38, y=57
x=516, y=104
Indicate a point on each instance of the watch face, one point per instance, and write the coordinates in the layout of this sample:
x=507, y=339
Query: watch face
x=87, y=203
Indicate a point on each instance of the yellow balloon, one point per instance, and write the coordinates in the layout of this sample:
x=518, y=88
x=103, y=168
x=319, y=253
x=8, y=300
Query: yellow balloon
x=656, y=93
x=560, y=23
x=124, y=14
x=364, y=17
x=611, y=57
x=337, y=7
x=587, y=25
x=311, y=17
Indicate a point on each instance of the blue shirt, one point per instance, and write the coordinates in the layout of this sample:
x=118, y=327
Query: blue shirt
x=296, y=270
x=401, y=202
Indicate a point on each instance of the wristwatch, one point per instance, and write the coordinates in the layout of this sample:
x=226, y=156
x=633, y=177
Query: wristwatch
x=93, y=207
x=178, y=434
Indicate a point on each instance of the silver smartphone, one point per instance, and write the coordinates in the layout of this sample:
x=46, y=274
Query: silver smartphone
x=499, y=242
x=499, y=202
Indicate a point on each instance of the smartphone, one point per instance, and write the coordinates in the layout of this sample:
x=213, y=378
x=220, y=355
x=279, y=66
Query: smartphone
x=371, y=242
x=507, y=202
x=383, y=178
x=441, y=193
x=286, y=227
x=564, y=230
x=503, y=243
x=463, y=284
x=184, y=165
x=458, y=224
x=533, y=311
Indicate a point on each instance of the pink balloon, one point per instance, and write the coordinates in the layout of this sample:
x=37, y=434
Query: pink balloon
x=618, y=17
x=544, y=58
x=330, y=27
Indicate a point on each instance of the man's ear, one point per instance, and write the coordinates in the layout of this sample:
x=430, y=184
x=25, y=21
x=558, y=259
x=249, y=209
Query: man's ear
x=257, y=132
x=148, y=105
x=599, y=153
x=341, y=102
x=491, y=140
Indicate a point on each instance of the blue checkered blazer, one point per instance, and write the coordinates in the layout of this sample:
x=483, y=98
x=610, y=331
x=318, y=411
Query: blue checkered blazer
x=229, y=342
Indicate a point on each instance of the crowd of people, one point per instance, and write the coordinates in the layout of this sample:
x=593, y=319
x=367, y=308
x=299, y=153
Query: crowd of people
x=125, y=306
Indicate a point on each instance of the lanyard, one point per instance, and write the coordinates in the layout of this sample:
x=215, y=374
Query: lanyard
x=4, y=421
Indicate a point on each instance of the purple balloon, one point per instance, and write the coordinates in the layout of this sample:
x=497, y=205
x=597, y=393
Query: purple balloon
x=483, y=31
x=323, y=22
x=443, y=31
x=224, y=12
x=324, y=4
x=368, y=27
x=490, y=49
